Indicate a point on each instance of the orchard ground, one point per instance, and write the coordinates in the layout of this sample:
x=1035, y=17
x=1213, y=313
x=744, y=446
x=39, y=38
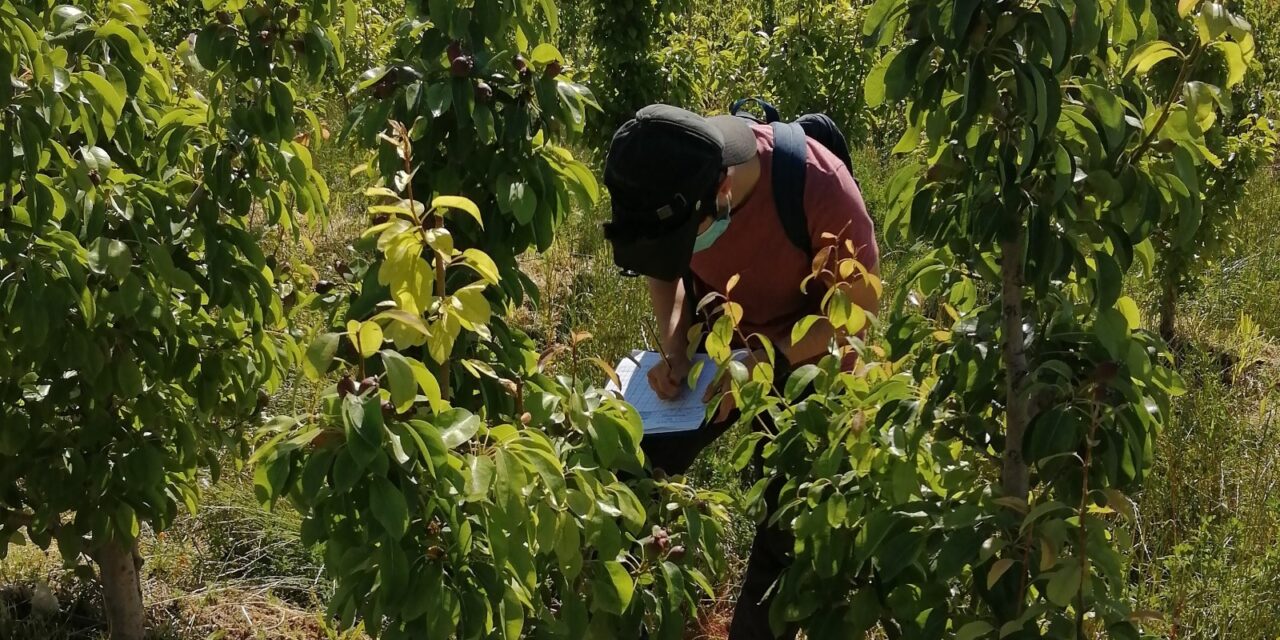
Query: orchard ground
x=1206, y=524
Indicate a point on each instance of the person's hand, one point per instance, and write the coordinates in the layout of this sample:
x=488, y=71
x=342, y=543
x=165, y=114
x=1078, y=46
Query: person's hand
x=668, y=380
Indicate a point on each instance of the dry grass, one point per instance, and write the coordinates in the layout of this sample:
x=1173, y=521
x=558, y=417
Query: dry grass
x=232, y=571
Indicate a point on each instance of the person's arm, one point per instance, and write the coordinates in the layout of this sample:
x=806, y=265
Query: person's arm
x=671, y=312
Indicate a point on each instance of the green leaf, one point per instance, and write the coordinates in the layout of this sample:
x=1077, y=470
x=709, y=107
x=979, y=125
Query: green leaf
x=517, y=197
x=1149, y=54
x=568, y=548
x=614, y=589
x=397, y=442
x=745, y=449
x=439, y=98
x=606, y=439
x=320, y=355
x=127, y=36
x=1110, y=113
x=1059, y=25
x=878, y=17
x=961, y=18
x=433, y=446
x=799, y=380
x=457, y=426
x=909, y=141
x=126, y=521
x=482, y=264
x=471, y=305
x=110, y=257
x=1185, y=7
x=65, y=17
x=1129, y=309
x=96, y=159
x=479, y=477
x=429, y=385
x=1065, y=584
x=545, y=54
x=837, y=511
x=572, y=103
x=1236, y=65
x=460, y=204
x=1190, y=217
x=400, y=379
x=350, y=18
x=874, y=86
x=114, y=100
x=365, y=336
x=1109, y=280
x=998, y=570
x=974, y=630
x=1040, y=511
x=270, y=477
x=552, y=14
x=1213, y=21
x=802, y=328
x=389, y=507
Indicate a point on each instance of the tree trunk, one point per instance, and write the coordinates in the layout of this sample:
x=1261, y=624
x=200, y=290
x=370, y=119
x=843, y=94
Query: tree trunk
x=1168, y=310
x=770, y=16
x=1014, y=476
x=122, y=590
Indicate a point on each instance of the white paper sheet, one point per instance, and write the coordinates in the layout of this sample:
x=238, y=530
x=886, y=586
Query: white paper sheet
x=685, y=413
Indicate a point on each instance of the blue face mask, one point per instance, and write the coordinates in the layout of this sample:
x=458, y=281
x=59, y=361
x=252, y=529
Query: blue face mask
x=712, y=233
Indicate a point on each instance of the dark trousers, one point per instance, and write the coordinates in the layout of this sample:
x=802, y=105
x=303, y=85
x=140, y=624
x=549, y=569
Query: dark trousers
x=770, y=549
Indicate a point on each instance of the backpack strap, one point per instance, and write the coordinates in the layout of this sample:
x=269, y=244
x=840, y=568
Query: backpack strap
x=789, y=154
x=770, y=112
x=822, y=128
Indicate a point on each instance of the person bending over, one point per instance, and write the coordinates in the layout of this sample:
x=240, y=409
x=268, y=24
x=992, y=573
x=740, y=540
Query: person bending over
x=693, y=206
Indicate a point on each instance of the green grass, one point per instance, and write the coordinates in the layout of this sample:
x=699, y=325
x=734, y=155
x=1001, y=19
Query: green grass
x=1209, y=518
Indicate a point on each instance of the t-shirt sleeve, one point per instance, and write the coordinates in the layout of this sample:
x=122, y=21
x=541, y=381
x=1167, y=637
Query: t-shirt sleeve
x=837, y=216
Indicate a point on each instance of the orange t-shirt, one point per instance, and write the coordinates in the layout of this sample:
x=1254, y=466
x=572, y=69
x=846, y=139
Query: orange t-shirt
x=770, y=268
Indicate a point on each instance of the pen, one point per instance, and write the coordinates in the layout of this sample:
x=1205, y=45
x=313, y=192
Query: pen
x=658, y=343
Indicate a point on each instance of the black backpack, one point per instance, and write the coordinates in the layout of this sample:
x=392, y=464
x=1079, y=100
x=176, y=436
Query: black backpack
x=789, y=154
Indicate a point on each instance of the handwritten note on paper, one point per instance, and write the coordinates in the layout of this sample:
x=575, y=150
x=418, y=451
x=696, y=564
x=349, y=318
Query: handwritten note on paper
x=685, y=413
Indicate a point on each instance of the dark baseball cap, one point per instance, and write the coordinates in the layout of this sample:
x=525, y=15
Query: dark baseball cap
x=662, y=171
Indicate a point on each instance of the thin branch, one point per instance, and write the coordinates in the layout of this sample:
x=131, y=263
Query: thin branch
x=1168, y=105
x=8, y=185
x=1083, y=513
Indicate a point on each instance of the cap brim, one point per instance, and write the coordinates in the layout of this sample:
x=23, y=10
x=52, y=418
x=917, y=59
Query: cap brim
x=739, y=140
